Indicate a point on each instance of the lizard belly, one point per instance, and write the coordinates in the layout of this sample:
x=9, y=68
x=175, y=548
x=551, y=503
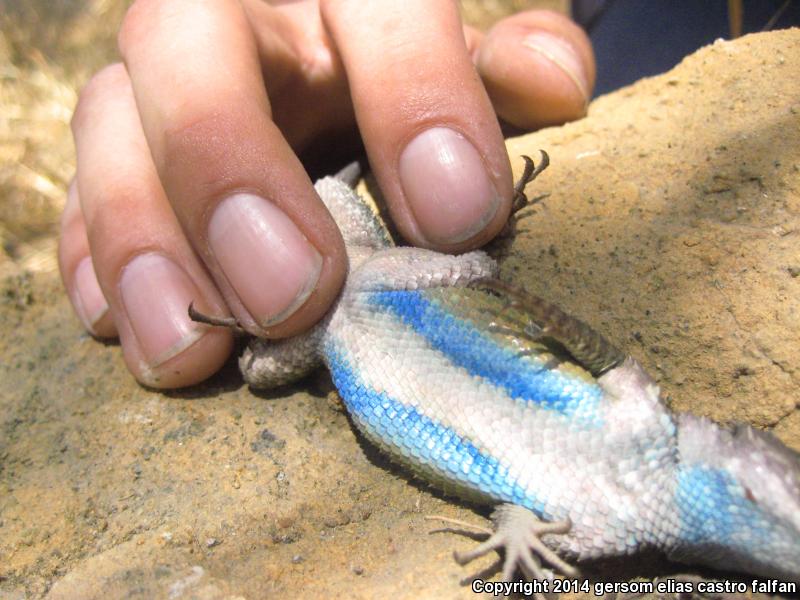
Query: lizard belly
x=424, y=378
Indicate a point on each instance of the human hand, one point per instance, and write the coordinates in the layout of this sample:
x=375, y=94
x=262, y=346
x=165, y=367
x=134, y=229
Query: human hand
x=188, y=186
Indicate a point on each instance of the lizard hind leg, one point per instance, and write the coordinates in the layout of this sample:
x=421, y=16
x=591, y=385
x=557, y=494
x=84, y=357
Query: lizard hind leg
x=546, y=320
x=518, y=532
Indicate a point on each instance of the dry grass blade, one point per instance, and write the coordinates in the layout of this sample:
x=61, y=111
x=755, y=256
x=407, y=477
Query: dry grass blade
x=47, y=51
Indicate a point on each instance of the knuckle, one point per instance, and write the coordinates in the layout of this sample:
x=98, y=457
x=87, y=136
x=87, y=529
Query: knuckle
x=149, y=19
x=339, y=8
x=137, y=22
x=110, y=80
x=327, y=5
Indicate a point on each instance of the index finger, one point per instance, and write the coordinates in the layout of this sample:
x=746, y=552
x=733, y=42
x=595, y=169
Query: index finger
x=241, y=195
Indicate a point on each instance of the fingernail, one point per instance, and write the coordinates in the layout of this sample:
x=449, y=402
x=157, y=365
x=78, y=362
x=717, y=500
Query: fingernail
x=156, y=294
x=562, y=55
x=268, y=261
x=447, y=186
x=90, y=302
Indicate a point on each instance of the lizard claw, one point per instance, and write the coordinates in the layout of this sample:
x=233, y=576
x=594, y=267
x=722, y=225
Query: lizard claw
x=229, y=322
x=518, y=531
x=530, y=173
x=520, y=200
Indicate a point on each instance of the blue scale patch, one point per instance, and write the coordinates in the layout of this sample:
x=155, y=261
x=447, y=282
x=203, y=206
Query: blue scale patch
x=469, y=348
x=420, y=440
x=714, y=510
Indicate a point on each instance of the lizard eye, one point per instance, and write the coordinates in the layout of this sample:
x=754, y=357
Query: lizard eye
x=749, y=495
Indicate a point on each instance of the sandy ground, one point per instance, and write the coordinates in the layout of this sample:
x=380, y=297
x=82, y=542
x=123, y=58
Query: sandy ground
x=669, y=220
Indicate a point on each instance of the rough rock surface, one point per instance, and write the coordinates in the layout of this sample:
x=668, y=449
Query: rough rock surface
x=670, y=220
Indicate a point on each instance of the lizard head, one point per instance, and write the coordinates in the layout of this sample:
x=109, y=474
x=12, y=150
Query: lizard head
x=738, y=497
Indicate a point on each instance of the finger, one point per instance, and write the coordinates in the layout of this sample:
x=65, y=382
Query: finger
x=239, y=192
x=145, y=267
x=538, y=68
x=304, y=74
x=473, y=38
x=430, y=131
x=77, y=270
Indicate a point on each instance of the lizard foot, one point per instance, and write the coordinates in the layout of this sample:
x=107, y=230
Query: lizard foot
x=520, y=201
x=518, y=531
x=530, y=173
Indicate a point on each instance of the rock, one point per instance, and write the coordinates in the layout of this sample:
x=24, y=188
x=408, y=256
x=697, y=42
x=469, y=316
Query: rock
x=677, y=201
x=669, y=216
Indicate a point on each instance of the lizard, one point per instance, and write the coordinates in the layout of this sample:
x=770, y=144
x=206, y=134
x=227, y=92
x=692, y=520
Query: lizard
x=499, y=397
